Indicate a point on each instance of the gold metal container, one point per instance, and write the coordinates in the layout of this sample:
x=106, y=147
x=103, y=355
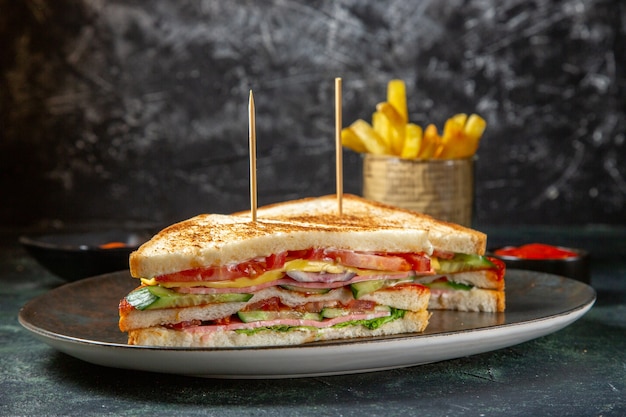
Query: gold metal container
x=443, y=189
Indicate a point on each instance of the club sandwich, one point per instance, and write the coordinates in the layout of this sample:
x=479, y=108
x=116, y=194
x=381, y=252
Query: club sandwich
x=303, y=272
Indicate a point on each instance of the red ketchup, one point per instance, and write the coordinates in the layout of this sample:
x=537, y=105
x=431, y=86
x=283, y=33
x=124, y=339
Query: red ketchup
x=536, y=251
x=113, y=245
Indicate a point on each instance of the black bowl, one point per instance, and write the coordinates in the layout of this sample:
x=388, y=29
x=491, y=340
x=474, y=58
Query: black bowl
x=73, y=256
x=575, y=267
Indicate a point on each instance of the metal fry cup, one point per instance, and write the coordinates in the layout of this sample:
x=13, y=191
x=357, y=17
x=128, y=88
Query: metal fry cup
x=442, y=188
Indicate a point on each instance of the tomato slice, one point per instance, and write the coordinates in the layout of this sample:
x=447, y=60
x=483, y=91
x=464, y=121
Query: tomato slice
x=310, y=254
x=251, y=269
x=369, y=260
x=443, y=254
x=275, y=261
x=419, y=261
x=184, y=324
x=360, y=305
x=217, y=273
x=269, y=304
x=500, y=268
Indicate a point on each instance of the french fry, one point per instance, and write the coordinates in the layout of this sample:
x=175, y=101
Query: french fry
x=453, y=140
x=430, y=143
x=473, y=130
x=461, y=136
x=475, y=126
x=397, y=126
x=396, y=96
x=412, y=141
x=349, y=139
x=382, y=126
x=371, y=140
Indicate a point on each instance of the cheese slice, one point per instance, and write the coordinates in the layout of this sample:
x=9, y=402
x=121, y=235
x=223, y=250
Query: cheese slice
x=231, y=283
x=269, y=276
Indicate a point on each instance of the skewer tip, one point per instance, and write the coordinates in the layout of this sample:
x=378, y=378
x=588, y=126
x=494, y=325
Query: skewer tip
x=252, y=151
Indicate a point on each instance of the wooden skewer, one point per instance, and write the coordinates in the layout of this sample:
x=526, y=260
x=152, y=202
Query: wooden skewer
x=338, y=150
x=252, y=142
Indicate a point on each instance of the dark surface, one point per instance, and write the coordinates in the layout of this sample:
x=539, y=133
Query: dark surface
x=138, y=110
x=77, y=255
x=578, y=371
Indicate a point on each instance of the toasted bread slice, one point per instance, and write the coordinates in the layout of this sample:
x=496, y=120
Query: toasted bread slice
x=214, y=239
x=475, y=300
x=357, y=211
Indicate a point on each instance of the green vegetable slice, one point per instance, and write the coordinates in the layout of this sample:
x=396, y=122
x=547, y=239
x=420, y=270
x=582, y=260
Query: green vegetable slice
x=447, y=285
x=371, y=324
x=155, y=296
x=463, y=262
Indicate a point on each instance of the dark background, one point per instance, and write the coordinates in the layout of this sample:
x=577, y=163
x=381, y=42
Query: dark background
x=137, y=111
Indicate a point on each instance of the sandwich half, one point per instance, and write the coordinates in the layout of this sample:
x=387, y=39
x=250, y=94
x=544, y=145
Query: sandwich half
x=302, y=273
x=462, y=277
x=226, y=281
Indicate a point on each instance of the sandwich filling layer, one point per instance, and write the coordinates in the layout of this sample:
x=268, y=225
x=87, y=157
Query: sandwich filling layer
x=314, y=288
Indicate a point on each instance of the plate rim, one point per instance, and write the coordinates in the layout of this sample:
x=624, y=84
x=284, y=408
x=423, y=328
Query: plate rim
x=87, y=350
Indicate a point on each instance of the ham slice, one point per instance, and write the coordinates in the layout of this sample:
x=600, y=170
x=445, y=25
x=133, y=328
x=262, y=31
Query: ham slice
x=286, y=322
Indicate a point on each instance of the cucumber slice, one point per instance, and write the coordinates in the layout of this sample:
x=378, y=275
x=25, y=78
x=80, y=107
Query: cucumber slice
x=449, y=285
x=359, y=289
x=260, y=315
x=331, y=312
x=248, y=316
x=463, y=262
x=155, y=296
x=141, y=298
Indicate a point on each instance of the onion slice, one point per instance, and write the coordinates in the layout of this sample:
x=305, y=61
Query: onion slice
x=326, y=277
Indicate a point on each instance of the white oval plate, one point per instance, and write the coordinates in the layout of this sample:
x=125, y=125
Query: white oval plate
x=80, y=319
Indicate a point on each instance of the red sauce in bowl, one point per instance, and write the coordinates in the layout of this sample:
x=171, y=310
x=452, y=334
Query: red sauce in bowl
x=536, y=251
x=113, y=245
